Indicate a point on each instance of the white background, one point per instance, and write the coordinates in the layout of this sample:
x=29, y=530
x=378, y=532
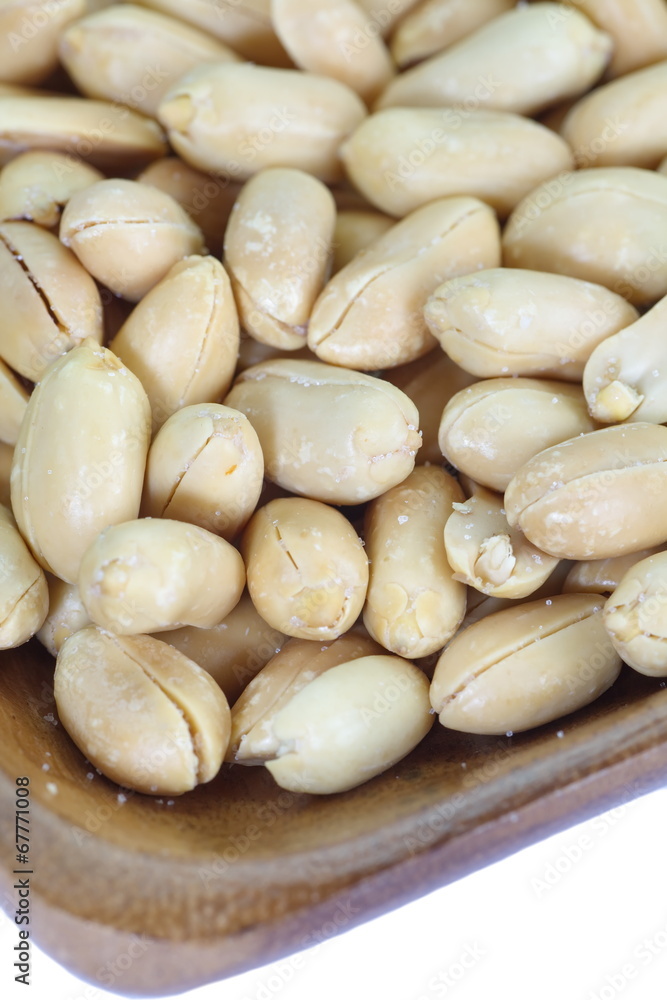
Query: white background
x=580, y=916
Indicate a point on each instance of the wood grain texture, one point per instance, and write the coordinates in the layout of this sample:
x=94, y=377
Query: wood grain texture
x=240, y=872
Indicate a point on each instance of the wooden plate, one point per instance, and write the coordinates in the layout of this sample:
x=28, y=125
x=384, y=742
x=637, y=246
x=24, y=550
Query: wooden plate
x=181, y=892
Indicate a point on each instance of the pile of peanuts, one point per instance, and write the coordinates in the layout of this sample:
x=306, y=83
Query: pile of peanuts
x=387, y=459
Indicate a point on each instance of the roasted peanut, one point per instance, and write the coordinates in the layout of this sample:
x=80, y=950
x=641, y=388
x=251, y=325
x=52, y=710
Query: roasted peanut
x=66, y=614
x=232, y=652
x=182, y=339
x=133, y=56
x=595, y=496
x=524, y=666
x=205, y=466
x=601, y=576
x=368, y=448
x=625, y=376
x=522, y=61
x=322, y=36
x=370, y=315
x=277, y=253
x=152, y=575
x=106, y=135
x=50, y=302
x=13, y=404
x=355, y=229
x=413, y=604
x=635, y=616
x=146, y=715
x=603, y=225
x=402, y=158
x=325, y=719
x=430, y=382
x=434, y=25
x=491, y=428
x=114, y=221
x=243, y=24
x=207, y=200
x=307, y=569
x=80, y=456
x=30, y=33
x=514, y=322
x=24, y=597
x=286, y=119
x=638, y=29
x=36, y=185
x=487, y=554
x=622, y=123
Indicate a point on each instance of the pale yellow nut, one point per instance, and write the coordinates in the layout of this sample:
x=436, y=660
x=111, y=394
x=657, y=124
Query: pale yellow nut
x=50, y=302
x=595, y=496
x=66, y=614
x=153, y=575
x=132, y=56
x=638, y=29
x=622, y=123
x=36, y=185
x=484, y=552
x=355, y=721
x=526, y=665
x=413, y=605
x=182, y=339
x=80, y=456
x=105, y=135
x=603, y=225
x=232, y=652
x=489, y=430
x=24, y=596
x=13, y=404
x=370, y=315
x=355, y=229
x=522, y=61
x=307, y=569
x=286, y=119
x=626, y=377
x=144, y=714
x=602, y=576
x=635, y=616
x=430, y=382
x=277, y=253
x=326, y=719
x=208, y=200
x=243, y=24
x=327, y=433
x=29, y=34
x=128, y=235
x=509, y=321
x=402, y=158
x=434, y=25
x=328, y=37
x=205, y=466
